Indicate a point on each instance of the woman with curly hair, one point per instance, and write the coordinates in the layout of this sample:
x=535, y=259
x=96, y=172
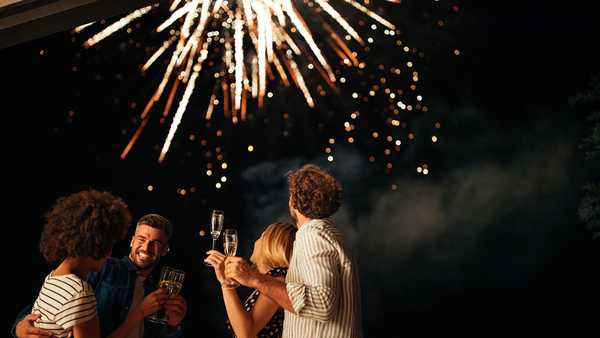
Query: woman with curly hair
x=259, y=316
x=79, y=232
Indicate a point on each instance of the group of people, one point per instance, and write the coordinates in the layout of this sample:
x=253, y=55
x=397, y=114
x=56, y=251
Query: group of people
x=304, y=278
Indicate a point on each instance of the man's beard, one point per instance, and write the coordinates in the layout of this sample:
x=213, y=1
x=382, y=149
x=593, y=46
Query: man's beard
x=143, y=264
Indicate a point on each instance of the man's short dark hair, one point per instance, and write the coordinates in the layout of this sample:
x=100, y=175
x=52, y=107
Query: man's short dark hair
x=314, y=192
x=157, y=221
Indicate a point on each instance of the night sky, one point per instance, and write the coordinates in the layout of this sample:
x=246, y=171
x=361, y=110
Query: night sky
x=487, y=244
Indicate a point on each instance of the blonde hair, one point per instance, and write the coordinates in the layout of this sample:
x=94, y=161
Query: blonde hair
x=276, y=244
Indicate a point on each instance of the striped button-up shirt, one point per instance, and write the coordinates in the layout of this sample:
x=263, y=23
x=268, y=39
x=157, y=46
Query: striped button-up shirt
x=322, y=283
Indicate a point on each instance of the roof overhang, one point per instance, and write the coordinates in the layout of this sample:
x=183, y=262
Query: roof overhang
x=25, y=20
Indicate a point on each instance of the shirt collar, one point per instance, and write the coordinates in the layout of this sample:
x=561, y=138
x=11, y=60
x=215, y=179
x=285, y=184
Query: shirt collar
x=129, y=264
x=311, y=223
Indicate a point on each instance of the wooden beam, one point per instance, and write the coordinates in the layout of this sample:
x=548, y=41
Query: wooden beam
x=25, y=20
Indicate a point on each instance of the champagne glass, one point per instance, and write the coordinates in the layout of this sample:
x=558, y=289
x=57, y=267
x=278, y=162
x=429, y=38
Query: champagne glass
x=216, y=225
x=230, y=244
x=172, y=281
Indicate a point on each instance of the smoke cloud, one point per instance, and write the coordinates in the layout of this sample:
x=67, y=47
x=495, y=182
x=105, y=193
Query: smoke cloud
x=481, y=217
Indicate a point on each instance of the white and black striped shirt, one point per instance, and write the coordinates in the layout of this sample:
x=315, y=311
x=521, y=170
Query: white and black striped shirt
x=322, y=283
x=63, y=302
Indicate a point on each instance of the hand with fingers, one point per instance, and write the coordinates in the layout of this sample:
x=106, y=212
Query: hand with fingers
x=26, y=329
x=217, y=260
x=153, y=302
x=176, y=308
x=243, y=272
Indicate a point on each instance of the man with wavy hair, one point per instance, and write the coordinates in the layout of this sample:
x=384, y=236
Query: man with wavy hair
x=321, y=294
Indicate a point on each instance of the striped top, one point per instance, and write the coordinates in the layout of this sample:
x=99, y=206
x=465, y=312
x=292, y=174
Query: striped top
x=63, y=302
x=322, y=283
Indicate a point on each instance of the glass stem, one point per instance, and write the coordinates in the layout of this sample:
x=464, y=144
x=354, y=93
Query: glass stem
x=214, y=243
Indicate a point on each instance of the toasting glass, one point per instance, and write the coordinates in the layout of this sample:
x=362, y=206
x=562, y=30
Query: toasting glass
x=230, y=244
x=216, y=225
x=172, y=281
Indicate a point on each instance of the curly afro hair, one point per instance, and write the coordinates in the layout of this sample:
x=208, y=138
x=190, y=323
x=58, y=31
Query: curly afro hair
x=314, y=192
x=84, y=224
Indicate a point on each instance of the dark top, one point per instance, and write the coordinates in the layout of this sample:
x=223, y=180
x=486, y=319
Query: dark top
x=114, y=286
x=274, y=327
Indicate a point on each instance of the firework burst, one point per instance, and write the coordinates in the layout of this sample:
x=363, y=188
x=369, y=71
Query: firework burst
x=258, y=41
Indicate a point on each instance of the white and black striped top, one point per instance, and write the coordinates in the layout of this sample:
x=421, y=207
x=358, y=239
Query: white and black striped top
x=63, y=302
x=322, y=283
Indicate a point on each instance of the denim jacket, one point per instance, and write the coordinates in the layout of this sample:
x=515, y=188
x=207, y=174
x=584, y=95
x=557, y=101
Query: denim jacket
x=114, y=286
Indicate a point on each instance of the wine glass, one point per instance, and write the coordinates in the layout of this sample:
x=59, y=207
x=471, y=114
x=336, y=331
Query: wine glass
x=216, y=225
x=171, y=280
x=230, y=244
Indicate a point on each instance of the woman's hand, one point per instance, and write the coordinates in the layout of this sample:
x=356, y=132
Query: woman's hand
x=217, y=260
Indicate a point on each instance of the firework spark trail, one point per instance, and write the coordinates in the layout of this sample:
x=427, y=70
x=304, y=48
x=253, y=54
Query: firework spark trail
x=371, y=14
x=79, y=29
x=239, y=60
x=174, y=17
x=262, y=40
x=337, y=17
x=303, y=30
x=183, y=103
x=297, y=76
x=158, y=53
x=138, y=13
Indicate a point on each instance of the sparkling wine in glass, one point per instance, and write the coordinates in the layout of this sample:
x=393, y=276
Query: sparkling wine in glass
x=216, y=225
x=171, y=280
x=230, y=244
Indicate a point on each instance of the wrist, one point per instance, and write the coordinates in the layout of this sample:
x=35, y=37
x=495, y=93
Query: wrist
x=226, y=285
x=257, y=281
x=138, y=314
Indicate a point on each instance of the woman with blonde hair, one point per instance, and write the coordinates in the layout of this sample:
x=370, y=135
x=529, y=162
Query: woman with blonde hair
x=258, y=316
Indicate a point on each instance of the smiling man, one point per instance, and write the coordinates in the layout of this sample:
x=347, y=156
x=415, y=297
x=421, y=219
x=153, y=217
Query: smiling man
x=126, y=296
x=125, y=293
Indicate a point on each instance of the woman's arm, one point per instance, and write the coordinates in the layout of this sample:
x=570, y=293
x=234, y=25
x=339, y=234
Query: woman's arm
x=244, y=324
x=274, y=288
x=248, y=324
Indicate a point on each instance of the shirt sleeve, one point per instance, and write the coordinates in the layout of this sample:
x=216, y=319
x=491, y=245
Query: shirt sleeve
x=318, y=265
x=79, y=309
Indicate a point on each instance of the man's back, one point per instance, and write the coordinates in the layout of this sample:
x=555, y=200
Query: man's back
x=323, y=286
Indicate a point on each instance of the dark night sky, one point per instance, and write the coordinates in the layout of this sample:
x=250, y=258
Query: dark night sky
x=487, y=245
